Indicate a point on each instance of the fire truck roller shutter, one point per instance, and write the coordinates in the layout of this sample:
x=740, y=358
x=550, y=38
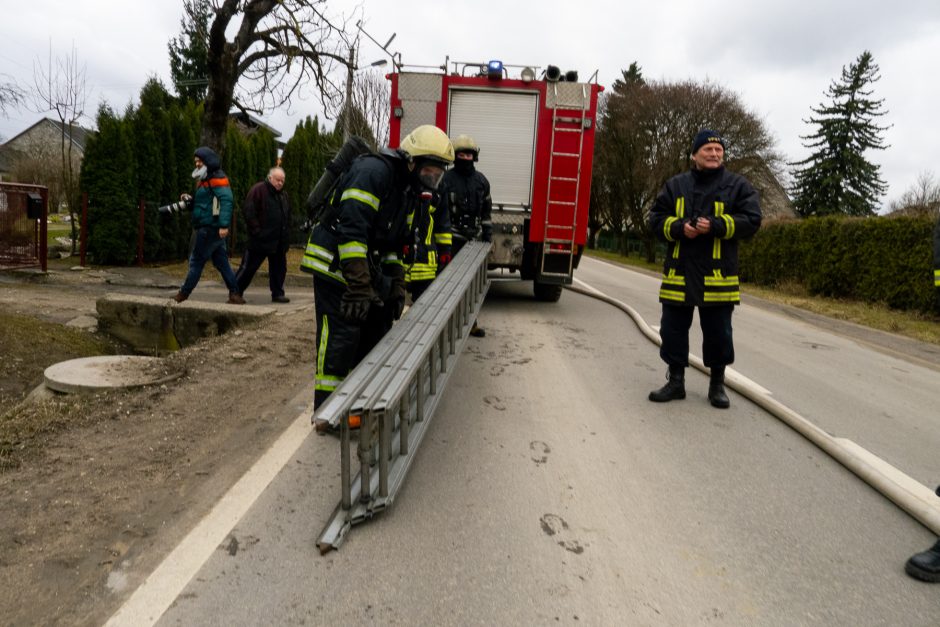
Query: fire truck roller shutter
x=419, y=94
x=503, y=125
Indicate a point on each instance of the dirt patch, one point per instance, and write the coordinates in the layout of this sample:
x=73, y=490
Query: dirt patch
x=89, y=482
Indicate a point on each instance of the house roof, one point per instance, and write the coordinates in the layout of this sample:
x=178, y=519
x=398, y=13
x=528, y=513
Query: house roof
x=252, y=122
x=79, y=135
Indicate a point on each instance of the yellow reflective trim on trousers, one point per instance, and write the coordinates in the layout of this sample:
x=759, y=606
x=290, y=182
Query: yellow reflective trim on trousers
x=327, y=383
x=936, y=278
x=443, y=239
x=362, y=196
x=721, y=297
x=672, y=295
x=321, y=348
x=352, y=250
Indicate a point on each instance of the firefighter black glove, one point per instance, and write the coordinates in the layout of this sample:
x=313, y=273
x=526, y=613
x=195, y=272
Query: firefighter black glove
x=397, y=292
x=487, y=233
x=359, y=295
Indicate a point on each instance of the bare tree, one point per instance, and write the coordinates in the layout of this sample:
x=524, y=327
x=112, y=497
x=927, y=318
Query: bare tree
x=60, y=88
x=645, y=135
x=371, y=95
x=278, y=48
x=11, y=95
x=922, y=198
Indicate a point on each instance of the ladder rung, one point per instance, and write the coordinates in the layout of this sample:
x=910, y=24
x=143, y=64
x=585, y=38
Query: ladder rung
x=561, y=202
x=567, y=130
x=565, y=154
x=563, y=178
x=544, y=273
x=556, y=240
x=559, y=226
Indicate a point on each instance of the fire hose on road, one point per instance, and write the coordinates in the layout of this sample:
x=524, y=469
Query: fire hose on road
x=913, y=497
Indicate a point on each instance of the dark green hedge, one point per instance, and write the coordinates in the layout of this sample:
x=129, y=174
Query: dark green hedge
x=881, y=259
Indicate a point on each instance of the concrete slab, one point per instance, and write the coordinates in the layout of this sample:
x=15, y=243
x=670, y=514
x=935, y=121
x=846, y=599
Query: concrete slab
x=159, y=325
x=95, y=374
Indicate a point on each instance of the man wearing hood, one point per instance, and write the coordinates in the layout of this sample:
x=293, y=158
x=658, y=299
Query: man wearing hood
x=701, y=215
x=211, y=213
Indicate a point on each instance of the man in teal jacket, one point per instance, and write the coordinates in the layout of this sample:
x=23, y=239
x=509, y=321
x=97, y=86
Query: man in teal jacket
x=211, y=209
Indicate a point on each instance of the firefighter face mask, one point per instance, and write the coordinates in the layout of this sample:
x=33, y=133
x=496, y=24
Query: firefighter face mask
x=429, y=174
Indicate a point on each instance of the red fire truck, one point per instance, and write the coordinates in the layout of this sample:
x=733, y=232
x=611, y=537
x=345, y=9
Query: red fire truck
x=536, y=134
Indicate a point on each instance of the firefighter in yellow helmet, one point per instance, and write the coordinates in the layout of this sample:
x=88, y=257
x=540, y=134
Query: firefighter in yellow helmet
x=466, y=192
x=355, y=251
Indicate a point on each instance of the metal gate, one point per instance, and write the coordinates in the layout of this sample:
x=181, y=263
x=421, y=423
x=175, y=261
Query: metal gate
x=23, y=228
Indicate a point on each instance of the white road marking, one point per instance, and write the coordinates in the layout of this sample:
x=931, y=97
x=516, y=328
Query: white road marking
x=164, y=585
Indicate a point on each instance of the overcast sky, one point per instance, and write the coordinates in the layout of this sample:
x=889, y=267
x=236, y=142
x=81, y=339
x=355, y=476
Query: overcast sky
x=779, y=58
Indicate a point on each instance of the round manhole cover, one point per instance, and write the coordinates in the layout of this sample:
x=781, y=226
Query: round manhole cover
x=93, y=374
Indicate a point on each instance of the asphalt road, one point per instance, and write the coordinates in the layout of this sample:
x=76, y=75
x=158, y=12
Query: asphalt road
x=550, y=490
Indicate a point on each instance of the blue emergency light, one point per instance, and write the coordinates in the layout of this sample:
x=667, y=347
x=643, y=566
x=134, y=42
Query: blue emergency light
x=494, y=69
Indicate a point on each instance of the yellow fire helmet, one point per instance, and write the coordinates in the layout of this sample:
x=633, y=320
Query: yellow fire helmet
x=429, y=142
x=465, y=143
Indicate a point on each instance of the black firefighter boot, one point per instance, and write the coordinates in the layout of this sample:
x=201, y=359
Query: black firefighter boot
x=925, y=566
x=716, y=389
x=674, y=389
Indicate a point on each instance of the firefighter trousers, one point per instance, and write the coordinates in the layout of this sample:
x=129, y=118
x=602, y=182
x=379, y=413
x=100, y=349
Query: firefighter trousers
x=341, y=343
x=717, y=343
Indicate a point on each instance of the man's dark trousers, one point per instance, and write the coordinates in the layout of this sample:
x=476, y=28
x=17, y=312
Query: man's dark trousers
x=717, y=344
x=277, y=270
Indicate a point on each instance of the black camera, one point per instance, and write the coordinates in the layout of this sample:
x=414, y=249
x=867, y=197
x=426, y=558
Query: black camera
x=181, y=205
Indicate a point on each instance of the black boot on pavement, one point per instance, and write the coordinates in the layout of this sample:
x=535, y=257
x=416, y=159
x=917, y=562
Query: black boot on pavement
x=674, y=389
x=280, y=299
x=234, y=298
x=925, y=566
x=716, y=389
x=477, y=331
x=180, y=297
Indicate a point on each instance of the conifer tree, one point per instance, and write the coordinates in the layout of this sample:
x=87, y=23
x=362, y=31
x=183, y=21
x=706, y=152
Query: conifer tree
x=837, y=178
x=107, y=177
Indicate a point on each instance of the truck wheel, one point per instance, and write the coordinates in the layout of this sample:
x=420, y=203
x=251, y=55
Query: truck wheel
x=547, y=292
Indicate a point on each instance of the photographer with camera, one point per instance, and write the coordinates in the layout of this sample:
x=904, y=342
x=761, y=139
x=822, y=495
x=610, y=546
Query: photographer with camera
x=211, y=216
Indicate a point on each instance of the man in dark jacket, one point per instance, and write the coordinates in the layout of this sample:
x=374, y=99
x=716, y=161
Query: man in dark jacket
x=466, y=193
x=355, y=251
x=702, y=215
x=211, y=214
x=267, y=215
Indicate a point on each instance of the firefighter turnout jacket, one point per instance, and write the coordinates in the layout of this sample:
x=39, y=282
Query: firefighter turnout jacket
x=469, y=205
x=430, y=224
x=703, y=271
x=367, y=219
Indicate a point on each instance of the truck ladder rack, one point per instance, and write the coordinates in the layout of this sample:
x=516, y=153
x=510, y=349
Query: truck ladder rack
x=554, y=195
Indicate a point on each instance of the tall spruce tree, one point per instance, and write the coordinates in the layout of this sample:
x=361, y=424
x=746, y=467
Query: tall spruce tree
x=837, y=178
x=189, y=53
